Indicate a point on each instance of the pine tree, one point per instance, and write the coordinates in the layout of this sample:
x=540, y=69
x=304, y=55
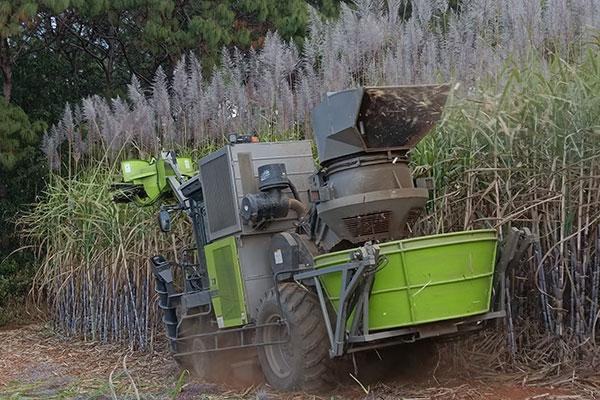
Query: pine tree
x=18, y=136
x=19, y=21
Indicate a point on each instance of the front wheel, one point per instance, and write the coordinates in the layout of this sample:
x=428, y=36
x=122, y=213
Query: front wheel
x=302, y=362
x=199, y=363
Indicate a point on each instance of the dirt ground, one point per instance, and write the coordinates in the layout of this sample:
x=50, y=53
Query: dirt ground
x=36, y=363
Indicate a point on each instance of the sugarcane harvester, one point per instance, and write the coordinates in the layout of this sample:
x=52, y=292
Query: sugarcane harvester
x=307, y=263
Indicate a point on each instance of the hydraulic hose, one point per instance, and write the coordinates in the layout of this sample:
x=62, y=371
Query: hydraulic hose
x=298, y=207
x=294, y=190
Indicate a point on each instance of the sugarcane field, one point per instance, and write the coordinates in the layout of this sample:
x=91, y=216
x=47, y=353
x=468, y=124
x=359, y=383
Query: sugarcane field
x=327, y=199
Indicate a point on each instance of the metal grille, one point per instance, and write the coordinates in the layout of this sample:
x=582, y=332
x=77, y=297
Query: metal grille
x=369, y=224
x=229, y=291
x=218, y=194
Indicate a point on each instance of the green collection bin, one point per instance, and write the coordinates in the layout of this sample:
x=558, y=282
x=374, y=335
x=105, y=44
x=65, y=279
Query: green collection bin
x=425, y=279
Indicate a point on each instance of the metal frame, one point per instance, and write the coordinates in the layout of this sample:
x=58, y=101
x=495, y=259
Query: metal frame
x=168, y=299
x=357, y=281
x=253, y=328
x=359, y=272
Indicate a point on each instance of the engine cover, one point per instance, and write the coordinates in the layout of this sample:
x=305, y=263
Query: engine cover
x=290, y=251
x=369, y=198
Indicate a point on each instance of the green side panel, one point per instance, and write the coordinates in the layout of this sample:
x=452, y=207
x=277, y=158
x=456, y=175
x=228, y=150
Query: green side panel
x=226, y=280
x=426, y=279
x=162, y=174
x=186, y=166
x=144, y=173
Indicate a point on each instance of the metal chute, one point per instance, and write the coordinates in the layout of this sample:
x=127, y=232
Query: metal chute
x=371, y=119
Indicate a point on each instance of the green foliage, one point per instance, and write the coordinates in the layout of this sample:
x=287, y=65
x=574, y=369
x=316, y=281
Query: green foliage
x=16, y=273
x=57, y=51
x=21, y=172
x=136, y=36
x=86, y=239
x=21, y=168
x=45, y=76
x=15, y=16
x=94, y=267
x=18, y=136
x=206, y=28
x=539, y=121
x=240, y=23
x=329, y=8
x=54, y=42
x=20, y=21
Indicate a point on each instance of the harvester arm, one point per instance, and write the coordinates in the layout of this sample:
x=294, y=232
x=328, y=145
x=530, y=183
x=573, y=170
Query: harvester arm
x=145, y=182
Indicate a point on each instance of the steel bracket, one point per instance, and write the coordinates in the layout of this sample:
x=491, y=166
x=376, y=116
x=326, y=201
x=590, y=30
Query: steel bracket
x=356, y=282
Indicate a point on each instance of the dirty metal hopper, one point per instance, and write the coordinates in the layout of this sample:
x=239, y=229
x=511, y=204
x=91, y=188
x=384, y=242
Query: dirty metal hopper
x=363, y=136
x=372, y=119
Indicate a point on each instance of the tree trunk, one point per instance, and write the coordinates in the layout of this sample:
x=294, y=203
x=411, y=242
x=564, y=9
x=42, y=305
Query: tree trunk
x=8, y=81
x=6, y=68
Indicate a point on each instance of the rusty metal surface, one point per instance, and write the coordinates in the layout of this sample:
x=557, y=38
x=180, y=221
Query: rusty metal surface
x=375, y=119
x=400, y=116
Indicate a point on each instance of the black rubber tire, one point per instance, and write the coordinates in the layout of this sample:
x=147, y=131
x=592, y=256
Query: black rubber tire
x=303, y=362
x=200, y=364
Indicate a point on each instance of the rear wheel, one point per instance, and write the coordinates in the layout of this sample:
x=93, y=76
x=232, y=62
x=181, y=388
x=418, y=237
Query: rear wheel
x=302, y=362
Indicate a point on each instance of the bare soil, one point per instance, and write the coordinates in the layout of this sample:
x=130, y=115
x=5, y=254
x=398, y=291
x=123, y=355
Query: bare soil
x=36, y=363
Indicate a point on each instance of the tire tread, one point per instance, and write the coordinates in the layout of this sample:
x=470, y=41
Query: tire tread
x=303, y=312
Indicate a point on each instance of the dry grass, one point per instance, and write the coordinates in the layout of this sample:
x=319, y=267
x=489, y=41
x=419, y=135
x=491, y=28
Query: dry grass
x=38, y=364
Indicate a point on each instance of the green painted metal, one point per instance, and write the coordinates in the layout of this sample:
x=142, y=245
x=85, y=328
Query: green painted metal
x=186, y=167
x=152, y=175
x=425, y=279
x=226, y=281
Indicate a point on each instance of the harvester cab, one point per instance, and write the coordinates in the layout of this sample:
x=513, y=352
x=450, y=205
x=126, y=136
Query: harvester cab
x=308, y=264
